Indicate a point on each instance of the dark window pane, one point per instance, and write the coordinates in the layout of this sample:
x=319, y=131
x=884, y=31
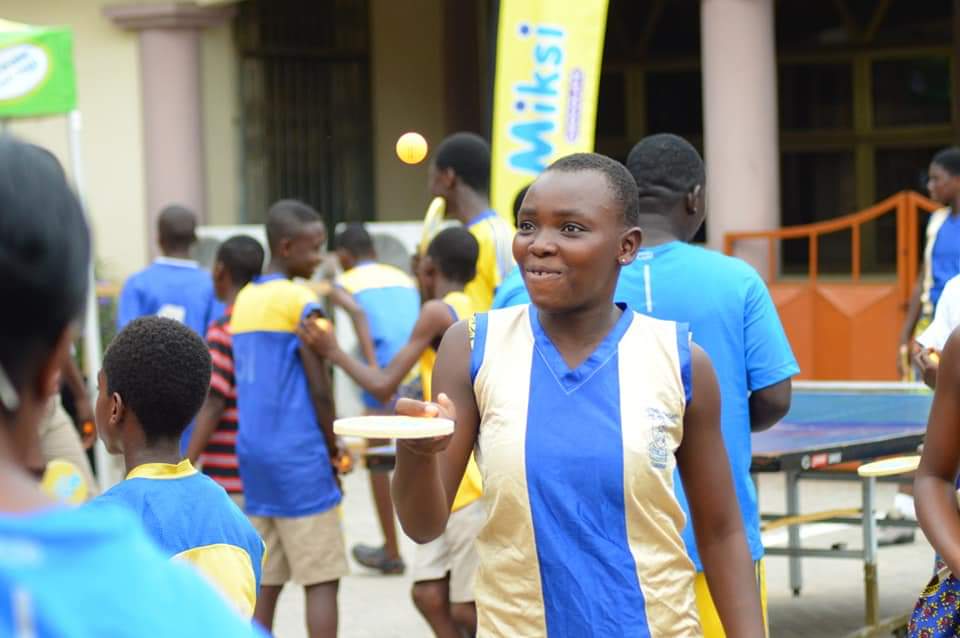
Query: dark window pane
x=914, y=91
x=816, y=187
x=674, y=102
x=677, y=31
x=816, y=96
x=612, y=105
x=809, y=23
x=929, y=22
x=900, y=169
x=306, y=105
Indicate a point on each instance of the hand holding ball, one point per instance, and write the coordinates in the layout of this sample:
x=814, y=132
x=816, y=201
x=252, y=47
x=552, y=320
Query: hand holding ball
x=411, y=148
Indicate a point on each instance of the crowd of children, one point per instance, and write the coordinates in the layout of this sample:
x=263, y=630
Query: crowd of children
x=552, y=509
x=259, y=393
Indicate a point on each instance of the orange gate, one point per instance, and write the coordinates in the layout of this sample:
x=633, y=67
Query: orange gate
x=845, y=328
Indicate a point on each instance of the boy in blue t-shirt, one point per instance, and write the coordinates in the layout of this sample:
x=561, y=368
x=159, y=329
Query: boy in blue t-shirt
x=154, y=379
x=68, y=572
x=731, y=317
x=286, y=449
x=383, y=304
x=173, y=286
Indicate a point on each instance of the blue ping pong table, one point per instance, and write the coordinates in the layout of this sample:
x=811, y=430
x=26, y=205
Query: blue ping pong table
x=830, y=429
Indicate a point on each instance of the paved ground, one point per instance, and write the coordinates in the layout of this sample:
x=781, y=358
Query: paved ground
x=831, y=603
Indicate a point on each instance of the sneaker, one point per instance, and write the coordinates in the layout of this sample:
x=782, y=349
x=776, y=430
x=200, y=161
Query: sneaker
x=376, y=558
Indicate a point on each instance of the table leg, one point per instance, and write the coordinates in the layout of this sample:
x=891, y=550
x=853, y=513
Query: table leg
x=793, y=531
x=870, y=589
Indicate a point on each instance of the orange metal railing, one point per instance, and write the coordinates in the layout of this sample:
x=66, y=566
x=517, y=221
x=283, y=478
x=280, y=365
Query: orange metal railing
x=906, y=205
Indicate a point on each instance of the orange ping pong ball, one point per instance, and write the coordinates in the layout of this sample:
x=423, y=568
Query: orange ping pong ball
x=411, y=148
x=323, y=324
x=935, y=357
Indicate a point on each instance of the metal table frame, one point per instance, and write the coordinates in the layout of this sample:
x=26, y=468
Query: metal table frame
x=865, y=517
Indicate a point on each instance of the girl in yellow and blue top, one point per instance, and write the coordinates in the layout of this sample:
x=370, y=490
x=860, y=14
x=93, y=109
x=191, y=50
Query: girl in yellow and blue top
x=154, y=379
x=580, y=412
x=446, y=568
x=64, y=571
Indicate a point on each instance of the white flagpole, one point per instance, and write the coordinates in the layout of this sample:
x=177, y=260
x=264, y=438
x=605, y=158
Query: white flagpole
x=107, y=471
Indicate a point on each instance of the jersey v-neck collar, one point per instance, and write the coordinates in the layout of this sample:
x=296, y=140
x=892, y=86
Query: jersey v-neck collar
x=571, y=379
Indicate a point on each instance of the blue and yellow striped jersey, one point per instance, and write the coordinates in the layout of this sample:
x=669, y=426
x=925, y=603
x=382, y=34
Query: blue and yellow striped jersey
x=583, y=530
x=494, y=234
x=391, y=302
x=284, y=463
x=191, y=518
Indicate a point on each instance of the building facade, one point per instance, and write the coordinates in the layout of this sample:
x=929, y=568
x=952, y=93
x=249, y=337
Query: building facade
x=805, y=109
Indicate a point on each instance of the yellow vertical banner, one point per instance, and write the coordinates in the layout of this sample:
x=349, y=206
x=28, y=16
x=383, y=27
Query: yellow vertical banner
x=545, y=88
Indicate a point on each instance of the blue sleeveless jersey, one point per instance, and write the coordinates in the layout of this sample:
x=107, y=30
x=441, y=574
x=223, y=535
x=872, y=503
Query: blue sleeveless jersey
x=583, y=535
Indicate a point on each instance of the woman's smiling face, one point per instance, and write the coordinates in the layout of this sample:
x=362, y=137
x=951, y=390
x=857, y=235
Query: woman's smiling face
x=568, y=241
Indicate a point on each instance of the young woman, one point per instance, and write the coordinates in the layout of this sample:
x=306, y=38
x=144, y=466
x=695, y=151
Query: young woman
x=580, y=410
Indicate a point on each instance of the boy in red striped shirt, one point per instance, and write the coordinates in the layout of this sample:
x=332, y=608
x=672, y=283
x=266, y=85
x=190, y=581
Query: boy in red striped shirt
x=213, y=443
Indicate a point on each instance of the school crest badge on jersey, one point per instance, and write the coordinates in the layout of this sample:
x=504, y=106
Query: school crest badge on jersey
x=659, y=449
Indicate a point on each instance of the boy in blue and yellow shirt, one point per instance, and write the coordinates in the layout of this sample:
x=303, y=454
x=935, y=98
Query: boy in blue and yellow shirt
x=286, y=447
x=460, y=174
x=154, y=379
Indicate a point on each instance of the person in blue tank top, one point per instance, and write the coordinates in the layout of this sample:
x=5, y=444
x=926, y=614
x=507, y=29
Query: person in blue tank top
x=941, y=253
x=383, y=304
x=174, y=285
x=941, y=263
x=581, y=411
x=68, y=572
x=731, y=316
x=154, y=379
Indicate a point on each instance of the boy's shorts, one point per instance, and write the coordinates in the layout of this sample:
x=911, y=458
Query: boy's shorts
x=455, y=552
x=307, y=550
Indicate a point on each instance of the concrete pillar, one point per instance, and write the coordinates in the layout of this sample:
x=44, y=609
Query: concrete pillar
x=740, y=121
x=170, y=77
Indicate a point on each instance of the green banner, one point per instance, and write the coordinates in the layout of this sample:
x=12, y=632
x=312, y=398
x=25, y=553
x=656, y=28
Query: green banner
x=36, y=70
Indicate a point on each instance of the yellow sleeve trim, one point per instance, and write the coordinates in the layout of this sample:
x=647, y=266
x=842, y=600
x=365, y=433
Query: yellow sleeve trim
x=230, y=570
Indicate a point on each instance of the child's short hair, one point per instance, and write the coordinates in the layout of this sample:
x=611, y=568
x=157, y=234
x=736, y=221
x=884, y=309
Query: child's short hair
x=455, y=251
x=355, y=240
x=177, y=227
x=286, y=218
x=242, y=256
x=618, y=178
x=949, y=159
x=44, y=256
x=468, y=155
x=665, y=167
x=161, y=370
